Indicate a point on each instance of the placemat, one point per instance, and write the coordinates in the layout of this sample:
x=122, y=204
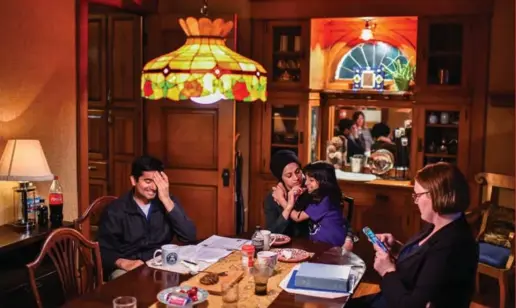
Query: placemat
x=247, y=299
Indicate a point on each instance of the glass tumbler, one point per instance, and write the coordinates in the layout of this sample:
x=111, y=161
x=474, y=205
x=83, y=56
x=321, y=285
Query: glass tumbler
x=124, y=302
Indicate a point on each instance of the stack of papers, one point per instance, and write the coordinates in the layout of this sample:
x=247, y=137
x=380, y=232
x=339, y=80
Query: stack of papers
x=203, y=254
x=221, y=242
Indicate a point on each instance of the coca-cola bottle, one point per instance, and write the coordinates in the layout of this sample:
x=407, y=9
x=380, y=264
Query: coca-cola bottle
x=55, y=202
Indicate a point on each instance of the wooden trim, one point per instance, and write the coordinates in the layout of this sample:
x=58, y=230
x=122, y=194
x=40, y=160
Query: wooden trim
x=477, y=121
x=82, y=110
x=299, y=9
x=501, y=99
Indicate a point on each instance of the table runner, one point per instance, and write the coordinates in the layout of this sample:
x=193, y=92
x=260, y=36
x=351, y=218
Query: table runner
x=246, y=285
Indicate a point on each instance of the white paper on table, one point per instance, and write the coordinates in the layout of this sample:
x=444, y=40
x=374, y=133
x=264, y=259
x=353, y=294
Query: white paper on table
x=221, y=242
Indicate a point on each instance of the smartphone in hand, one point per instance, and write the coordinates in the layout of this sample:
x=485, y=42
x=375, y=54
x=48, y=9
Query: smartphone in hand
x=374, y=239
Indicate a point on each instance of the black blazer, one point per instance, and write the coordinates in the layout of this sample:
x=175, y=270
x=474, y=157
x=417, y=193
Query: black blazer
x=441, y=271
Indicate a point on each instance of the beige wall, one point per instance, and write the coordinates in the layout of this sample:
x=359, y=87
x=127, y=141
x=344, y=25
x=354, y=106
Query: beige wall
x=38, y=89
x=499, y=146
x=499, y=153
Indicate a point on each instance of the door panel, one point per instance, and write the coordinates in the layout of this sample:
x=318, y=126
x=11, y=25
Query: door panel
x=125, y=59
x=96, y=61
x=194, y=130
x=97, y=135
x=195, y=142
x=124, y=147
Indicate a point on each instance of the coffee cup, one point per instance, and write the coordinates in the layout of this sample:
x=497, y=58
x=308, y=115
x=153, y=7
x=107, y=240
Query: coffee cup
x=268, y=258
x=268, y=240
x=168, y=253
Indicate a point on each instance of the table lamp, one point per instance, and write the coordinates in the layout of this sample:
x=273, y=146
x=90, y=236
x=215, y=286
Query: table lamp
x=24, y=161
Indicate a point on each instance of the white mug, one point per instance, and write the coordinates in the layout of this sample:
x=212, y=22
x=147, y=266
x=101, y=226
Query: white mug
x=267, y=241
x=268, y=258
x=168, y=253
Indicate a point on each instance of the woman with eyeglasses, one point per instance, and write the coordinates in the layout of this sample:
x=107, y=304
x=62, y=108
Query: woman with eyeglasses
x=438, y=265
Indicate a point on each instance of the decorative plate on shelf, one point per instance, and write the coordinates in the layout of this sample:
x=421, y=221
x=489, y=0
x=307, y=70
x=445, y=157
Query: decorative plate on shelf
x=280, y=239
x=292, y=255
x=197, y=295
x=381, y=161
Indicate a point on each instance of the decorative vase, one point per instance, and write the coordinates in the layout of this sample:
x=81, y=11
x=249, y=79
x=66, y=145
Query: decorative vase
x=401, y=84
x=432, y=118
x=445, y=118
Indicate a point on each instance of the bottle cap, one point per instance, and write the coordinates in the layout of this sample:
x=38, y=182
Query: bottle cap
x=248, y=248
x=56, y=177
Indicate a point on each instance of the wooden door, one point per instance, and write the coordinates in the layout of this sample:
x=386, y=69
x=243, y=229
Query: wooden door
x=114, y=107
x=196, y=144
x=125, y=103
x=97, y=107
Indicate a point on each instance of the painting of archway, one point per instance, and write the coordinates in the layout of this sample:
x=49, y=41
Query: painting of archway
x=337, y=49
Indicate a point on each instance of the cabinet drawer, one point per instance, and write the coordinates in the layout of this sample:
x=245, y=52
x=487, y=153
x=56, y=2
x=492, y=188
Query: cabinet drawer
x=97, y=169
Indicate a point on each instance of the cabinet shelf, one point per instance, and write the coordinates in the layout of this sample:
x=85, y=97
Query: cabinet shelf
x=439, y=155
x=443, y=125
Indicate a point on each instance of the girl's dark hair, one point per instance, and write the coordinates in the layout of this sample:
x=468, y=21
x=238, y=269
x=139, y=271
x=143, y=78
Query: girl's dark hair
x=324, y=173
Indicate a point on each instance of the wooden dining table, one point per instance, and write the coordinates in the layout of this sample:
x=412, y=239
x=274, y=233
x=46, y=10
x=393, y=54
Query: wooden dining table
x=144, y=283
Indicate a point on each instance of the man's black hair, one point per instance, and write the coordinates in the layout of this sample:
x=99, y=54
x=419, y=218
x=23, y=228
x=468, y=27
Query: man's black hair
x=345, y=124
x=380, y=130
x=145, y=163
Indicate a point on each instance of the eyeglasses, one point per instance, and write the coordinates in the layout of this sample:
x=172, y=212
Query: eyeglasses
x=415, y=196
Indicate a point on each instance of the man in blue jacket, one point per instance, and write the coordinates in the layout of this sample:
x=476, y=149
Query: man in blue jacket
x=141, y=221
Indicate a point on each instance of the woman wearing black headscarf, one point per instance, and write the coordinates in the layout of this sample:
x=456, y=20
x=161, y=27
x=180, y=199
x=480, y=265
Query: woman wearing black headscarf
x=285, y=166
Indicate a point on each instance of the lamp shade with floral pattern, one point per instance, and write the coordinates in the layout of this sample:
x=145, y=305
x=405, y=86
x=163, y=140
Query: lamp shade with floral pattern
x=204, y=69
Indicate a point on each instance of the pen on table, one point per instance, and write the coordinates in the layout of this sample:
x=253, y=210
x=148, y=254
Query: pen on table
x=190, y=262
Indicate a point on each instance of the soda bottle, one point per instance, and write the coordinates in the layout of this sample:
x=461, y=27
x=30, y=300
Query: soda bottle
x=257, y=240
x=55, y=203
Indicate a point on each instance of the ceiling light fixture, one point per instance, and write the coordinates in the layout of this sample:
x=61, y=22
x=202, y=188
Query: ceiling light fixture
x=204, y=70
x=367, y=32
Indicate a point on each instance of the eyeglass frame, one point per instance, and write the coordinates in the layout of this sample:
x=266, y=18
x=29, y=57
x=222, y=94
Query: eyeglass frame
x=415, y=196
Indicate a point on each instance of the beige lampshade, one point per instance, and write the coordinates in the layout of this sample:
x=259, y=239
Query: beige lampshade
x=24, y=160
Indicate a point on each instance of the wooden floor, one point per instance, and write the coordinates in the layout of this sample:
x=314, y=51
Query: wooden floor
x=489, y=287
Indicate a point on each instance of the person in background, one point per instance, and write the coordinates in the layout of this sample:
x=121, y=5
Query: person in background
x=132, y=227
x=353, y=144
x=363, y=132
x=323, y=208
x=381, y=134
x=437, y=267
x=286, y=167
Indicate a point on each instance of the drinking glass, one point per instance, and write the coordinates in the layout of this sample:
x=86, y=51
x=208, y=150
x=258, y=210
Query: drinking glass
x=230, y=294
x=124, y=302
x=261, y=274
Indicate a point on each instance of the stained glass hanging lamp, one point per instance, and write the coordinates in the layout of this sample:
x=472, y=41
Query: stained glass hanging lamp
x=204, y=69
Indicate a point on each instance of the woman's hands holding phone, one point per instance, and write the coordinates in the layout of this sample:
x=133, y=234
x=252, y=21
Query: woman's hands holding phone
x=387, y=239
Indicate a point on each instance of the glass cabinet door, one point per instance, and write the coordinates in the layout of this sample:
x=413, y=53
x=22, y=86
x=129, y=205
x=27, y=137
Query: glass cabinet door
x=446, y=136
x=284, y=127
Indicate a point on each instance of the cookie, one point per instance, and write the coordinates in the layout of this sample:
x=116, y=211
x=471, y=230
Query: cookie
x=210, y=279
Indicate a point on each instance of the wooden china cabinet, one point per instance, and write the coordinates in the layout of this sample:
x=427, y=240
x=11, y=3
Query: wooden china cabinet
x=448, y=103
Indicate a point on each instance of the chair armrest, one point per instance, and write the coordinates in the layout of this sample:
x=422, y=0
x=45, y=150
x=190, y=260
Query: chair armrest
x=474, y=215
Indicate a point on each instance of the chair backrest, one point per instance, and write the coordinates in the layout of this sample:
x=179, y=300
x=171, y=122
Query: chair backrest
x=94, y=211
x=350, y=207
x=77, y=262
x=497, y=225
x=493, y=183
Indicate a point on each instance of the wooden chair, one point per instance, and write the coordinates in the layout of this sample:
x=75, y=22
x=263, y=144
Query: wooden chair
x=496, y=234
x=77, y=262
x=93, y=213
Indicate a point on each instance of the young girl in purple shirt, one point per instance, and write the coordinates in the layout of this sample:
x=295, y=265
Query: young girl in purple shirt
x=320, y=201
